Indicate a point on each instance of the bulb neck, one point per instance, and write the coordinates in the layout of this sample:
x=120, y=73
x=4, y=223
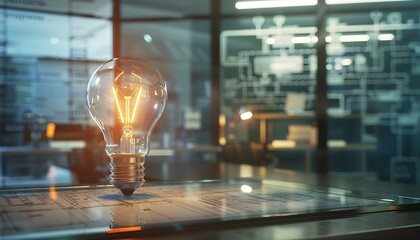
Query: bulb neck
x=127, y=172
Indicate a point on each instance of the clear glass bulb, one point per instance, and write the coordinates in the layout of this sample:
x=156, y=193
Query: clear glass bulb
x=126, y=97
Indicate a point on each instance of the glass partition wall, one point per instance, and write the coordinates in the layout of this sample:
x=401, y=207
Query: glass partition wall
x=366, y=85
x=373, y=82
x=48, y=49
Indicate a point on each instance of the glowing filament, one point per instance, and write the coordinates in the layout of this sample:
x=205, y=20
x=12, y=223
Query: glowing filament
x=118, y=104
x=129, y=116
x=133, y=73
x=135, y=106
x=121, y=73
x=127, y=108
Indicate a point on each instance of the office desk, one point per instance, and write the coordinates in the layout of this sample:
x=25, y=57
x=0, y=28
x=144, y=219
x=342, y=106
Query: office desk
x=241, y=202
x=308, y=149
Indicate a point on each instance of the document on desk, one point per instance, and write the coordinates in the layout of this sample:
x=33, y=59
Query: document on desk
x=85, y=210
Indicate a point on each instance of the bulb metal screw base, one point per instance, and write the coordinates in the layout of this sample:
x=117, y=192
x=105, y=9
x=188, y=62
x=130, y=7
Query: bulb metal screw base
x=127, y=172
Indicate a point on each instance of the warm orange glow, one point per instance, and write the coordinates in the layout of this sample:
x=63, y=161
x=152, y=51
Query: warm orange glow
x=50, y=130
x=52, y=193
x=222, y=124
x=222, y=120
x=127, y=108
x=118, y=104
x=222, y=141
x=124, y=229
x=135, y=106
x=127, y=119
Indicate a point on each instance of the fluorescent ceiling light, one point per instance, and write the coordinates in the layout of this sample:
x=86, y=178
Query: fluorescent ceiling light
x=335, y=2
x=274, y=4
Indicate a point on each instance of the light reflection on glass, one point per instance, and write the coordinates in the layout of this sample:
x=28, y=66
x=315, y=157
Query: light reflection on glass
x=246, y=188
x=52, y=175
x=52, y=193
x=147, y=38
x=340, y=193
x=126, y=218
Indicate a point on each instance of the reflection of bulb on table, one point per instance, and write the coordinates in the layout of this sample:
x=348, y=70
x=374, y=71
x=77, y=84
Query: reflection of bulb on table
x=126, y=97
x=126, y=218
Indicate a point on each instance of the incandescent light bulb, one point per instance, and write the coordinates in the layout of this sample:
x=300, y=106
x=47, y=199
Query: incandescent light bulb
x=126, y=97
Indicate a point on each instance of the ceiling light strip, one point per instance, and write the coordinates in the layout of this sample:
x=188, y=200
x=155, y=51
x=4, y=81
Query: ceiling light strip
x=337, y=2
x=274, y=4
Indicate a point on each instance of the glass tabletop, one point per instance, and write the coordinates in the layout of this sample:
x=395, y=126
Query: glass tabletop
x=77, y=212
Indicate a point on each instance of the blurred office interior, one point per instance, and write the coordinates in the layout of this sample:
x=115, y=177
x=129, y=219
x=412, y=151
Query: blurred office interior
x=331, y=85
